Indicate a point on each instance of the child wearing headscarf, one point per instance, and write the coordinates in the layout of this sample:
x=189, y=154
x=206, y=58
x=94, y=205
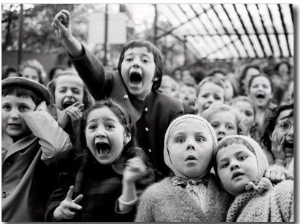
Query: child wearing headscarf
x=240, y=165
x=191, y=194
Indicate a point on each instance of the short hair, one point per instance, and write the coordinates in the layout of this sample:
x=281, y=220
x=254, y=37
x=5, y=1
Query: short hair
x=87, y=99
x=158, y=60
x=24, y=92
x=243, y=99
x=282, y=63
x=222, y=107
x=213, y=80
x=225, y=143
x=271, y=123
x=212, y=73
x=261, y=75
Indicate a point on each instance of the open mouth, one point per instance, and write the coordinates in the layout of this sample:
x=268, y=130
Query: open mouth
x=135, y=78
x=236, y=174
x=103, y=148
x=260, y=96
x=190, y=157
x=67, y=104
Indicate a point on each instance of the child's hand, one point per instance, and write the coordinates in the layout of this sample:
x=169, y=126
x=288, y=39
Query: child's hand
x=62, y=24
x=42, y=106
x=75, y=112
x=65, y=210
x=278, y=146
x=61, y=116
x=134, y=170
x=274, y=174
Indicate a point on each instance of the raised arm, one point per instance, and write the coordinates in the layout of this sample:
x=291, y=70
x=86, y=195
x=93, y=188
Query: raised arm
x=89, y=68
x=62, y=26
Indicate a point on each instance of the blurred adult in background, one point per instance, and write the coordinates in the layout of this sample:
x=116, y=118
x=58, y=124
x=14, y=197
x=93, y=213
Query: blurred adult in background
x=247, y=73
x=283, y=68
x=34, y=70
x=8, y=71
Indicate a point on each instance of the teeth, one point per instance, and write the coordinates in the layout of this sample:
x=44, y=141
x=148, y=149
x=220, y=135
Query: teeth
x=103, y=148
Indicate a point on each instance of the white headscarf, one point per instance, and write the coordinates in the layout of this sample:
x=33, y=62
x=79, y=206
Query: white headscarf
x=174, y=123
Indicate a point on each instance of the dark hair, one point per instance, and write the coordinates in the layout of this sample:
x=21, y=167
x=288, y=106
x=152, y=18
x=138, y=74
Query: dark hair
x=53, y=70
x=243, y=75
x=87, y=99
x=282, y=63
x=6, y=70
x=151, y=48
x=117, y=109
x=271, y=123
x=24, y=92
x=212, y=73
x=261, y=75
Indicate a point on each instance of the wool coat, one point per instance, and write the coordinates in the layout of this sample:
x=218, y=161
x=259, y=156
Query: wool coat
x=151, y=116
x=163, y=202
x=28, y=168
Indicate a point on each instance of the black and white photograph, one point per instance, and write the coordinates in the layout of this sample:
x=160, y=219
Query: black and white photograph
x=149, y=112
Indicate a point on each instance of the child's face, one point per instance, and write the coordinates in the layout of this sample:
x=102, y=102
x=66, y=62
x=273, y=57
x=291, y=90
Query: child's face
x=30, y=73
x=166, y=87
x=105, y=135
x=247, y=112
x=138, y=70
x=210, y=93
x=260, y=91
x=224, y=123
x=285, y=129
x=188, y=95
x=236, y=166
x=190, y=147
x=68, y=90
x=13, y=123
x=249, y=74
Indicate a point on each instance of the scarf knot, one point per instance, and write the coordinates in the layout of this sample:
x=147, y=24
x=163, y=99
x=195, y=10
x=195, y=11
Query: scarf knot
x=179, y=181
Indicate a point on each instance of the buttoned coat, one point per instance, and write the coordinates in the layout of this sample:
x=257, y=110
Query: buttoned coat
x=151, y=116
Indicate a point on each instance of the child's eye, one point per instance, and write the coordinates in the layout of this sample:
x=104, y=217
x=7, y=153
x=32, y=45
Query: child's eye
x=248, y=113
x=224, y=165
x=230, y=127
x=200, y=139
x=23, y=108
x=76, y=91
x=6, y=107
x=205, y=95
x=128, y=59
x=145, y=60
x=92, y=127
x=242, y=158
x=215, y=125
x=109, y=126
x=217, y=98
x=180, y=140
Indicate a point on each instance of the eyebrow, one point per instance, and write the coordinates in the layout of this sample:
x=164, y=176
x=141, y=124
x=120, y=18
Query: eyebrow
x=288, y=116
x=104, y=118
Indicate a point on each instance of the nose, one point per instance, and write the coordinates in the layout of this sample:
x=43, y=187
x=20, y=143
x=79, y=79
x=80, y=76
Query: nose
x=234, y=166
x=69, y=93
x=136, y=63
x=190, y=145
x=100, y=133
x=290, y=133
x=221, y=130
x=14, y=114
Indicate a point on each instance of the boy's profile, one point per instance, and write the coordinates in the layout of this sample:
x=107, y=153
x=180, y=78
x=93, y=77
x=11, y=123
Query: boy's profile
x=32, y=144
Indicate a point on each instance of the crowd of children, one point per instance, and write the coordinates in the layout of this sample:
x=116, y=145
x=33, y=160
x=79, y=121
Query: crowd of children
x=136, y=145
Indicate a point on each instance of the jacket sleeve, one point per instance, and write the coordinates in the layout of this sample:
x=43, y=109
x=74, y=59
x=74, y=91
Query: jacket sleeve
x=55, y=142
x=91, y=71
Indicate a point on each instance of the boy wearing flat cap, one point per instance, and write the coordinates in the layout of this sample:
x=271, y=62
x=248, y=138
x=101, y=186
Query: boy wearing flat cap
x=32, y=144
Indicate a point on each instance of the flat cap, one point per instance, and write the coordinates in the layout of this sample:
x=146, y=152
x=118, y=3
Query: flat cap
x=30, y=84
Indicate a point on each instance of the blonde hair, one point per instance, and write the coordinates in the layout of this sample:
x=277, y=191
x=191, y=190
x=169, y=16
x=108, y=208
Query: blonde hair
x=219, y=107
x=35, y=64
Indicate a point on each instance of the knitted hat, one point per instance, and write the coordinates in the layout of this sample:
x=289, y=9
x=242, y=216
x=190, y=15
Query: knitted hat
x=28, y=83
x=173, y=124
x=262, y=162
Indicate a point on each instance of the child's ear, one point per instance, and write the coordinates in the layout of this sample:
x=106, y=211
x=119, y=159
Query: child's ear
x=127, y=137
